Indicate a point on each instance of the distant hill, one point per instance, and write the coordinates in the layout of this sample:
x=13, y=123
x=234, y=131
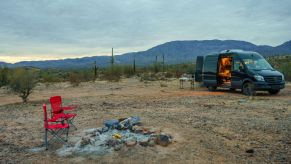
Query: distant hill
x=174, y=52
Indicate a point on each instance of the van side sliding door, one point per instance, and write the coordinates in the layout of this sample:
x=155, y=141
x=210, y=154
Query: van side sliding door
x=237, y=73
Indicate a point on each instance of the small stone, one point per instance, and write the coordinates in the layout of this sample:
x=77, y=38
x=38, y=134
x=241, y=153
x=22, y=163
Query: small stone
x=152, y=130
x=250, y=151
x=144, y=142
x=91, y=131
x=85, y=141
x=163, y=139
x=137, y=129
x=151, y=143
x=117, y=147
x=153, y=137
x=112, y=143
x=131, y=142
x=104, y=129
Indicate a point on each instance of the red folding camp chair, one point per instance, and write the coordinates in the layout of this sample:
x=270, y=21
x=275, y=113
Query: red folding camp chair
x=56, y=129
x=58, y=111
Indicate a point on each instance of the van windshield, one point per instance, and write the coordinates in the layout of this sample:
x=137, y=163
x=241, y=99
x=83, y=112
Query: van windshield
x=256, y=62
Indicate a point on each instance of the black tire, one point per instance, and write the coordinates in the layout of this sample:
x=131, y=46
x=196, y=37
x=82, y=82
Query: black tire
x=211, y=88
x=232, y=89
x=274, y=91
x=249, y=89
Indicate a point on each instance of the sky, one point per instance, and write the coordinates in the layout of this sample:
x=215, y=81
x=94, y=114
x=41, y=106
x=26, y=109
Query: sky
x=57, y=29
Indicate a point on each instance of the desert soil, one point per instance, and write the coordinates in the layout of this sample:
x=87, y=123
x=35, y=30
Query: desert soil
x=207, y=127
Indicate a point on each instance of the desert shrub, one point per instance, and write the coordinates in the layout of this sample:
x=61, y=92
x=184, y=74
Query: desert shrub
x=4, y=76
x=112, y=73
x=282, y=64
x=148, y=77
x=286, y=70
x=22, y=82
x=127, y=71
x=169, y=74
x=163, y=84
x=51, y=77
x=75, y=78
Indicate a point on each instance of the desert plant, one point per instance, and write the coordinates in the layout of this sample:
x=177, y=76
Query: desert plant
x=74, y=78
x=3, y=76
x=112, y=73
x=22, y=82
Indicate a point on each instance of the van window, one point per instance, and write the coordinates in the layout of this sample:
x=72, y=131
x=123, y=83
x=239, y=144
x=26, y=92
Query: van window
x=237, y=65
x=210, y=64
x=256, y=62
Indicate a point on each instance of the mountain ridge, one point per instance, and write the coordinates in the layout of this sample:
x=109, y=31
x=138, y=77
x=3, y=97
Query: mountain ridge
x=174, y=52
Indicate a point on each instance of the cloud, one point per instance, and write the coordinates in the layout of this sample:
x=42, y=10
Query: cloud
x=41, y=28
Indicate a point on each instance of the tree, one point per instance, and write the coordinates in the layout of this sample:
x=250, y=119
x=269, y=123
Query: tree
x=22, y=82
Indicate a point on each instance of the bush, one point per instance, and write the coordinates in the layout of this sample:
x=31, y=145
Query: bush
x=74, y=78
x=112, y=74
x=22, y=82
x=4, y=76
x=127, y=70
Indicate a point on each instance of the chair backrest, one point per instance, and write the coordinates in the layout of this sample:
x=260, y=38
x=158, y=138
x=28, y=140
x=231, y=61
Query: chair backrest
x=56, y=104
x=45, y=116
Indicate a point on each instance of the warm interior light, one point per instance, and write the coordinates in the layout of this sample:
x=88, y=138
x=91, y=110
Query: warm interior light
x=225, y=69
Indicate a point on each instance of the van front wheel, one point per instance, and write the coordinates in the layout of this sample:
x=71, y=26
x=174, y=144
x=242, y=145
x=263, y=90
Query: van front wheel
x=211, y=88
x=274, y=91
x=249, y=89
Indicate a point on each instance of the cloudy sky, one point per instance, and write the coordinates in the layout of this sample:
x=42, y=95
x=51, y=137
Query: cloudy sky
x=54, y=29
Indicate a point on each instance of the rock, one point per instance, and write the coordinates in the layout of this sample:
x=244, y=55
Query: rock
x=112, y=143
x=250, y=151
x=91, y=131
x=153, y=137
x=153, y=130
x=104, y=129
x=85, y=141
x=137, y=129
x=145, y=131
x=121, y=119
x=144, y=142
x=163, y=139
x=117, y=147
x=151, y=143
x=131, y=142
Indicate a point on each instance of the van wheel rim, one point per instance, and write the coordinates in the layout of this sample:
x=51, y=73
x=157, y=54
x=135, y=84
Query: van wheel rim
x=248, y=90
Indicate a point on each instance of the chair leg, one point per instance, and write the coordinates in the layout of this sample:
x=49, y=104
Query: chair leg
x=70, y=121
x=67, y=134
x=45, y=140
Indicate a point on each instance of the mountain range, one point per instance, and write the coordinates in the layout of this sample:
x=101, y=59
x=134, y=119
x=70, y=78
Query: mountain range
x=174, y=52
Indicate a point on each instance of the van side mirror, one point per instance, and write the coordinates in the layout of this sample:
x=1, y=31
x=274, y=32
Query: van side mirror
x=241, y=69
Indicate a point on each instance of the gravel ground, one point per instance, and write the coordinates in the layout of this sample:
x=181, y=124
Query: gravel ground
x=207, y=127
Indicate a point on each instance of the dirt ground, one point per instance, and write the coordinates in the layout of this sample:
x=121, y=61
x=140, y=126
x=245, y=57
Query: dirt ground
x=207, y=127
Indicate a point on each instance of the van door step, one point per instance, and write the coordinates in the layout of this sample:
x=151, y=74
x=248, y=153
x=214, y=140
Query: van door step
x=225, y=86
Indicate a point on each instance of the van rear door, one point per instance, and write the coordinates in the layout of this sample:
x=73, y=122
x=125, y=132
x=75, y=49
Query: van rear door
x=210, y=70
x=199, y=67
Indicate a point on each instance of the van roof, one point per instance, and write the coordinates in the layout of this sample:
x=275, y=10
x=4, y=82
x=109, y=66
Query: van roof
x=241, y=53
x=237, y=51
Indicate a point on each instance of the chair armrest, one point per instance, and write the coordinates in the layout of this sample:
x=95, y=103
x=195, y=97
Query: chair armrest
x=57, y=118
x=69, y=107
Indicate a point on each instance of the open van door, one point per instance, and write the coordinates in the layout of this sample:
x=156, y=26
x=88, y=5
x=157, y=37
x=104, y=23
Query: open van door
x=199, y=67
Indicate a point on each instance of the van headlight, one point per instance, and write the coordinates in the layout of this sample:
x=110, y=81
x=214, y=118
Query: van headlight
x=283, y=78
x=259, y=78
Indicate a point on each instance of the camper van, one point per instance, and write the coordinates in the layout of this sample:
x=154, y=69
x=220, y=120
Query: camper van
x=237, y=69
